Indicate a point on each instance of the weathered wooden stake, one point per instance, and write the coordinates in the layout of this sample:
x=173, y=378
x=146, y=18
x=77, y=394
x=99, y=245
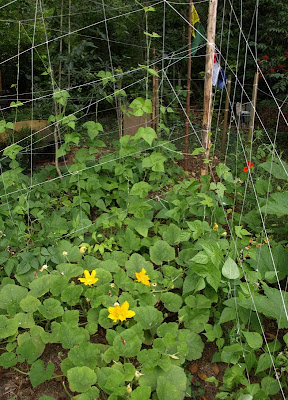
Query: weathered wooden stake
x=155, y=100
x=69, y=44
x=186, y=160
x=226, y=114
x=253, y=108
x=207, y=113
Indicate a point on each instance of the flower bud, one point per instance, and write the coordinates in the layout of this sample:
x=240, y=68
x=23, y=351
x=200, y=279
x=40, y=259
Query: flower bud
x=129, y=389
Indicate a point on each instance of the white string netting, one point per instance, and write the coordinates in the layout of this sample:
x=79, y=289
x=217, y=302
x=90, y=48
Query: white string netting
x=167, y=59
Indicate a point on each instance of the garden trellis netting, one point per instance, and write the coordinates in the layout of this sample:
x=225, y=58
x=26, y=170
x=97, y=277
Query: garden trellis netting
x=126, y=272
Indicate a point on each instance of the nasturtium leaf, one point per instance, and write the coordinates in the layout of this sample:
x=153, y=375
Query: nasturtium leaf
x=161, y=251
x=81, y=378
x=172, y=301
x=230, y=269
x=30, y=304
x=38, y=374
x=148, y=317
x=254, y=339
x=51, y=308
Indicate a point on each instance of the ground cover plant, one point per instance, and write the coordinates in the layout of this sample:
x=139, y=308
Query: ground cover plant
x=160, y=263
x=122, y=275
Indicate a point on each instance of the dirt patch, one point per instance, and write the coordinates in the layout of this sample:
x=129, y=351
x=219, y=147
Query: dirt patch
x=14, y=384
x=204, y=368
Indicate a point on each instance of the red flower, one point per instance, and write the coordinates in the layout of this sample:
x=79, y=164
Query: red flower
x=272, y=70
x=265, y=57
x=270, y=38
x=286, y=54
x=280, y=66
x=250, y=164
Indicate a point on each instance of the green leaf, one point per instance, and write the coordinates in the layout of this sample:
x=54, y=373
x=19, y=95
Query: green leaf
x=155, y=162
x=141, y=393
x=147, y=133
x=172, y=301
x=148, y=317
x=135, y=264
x=277, y=204
x=264, y=362
x=84, y=355
x=41, y=285
x=38, y=374
x=30, y=304
x=71, y=294
x=70, y=270
x=141, y=225
x=270, y=305
x=276, y=168
x=230, y=269
x=172, y=384
x=161, y=251
x=127, y=343
x=270, y=385
x=254, y=339
x=8, y=360
x=81, y=379
x=172, y=234
x=11, y=294
x=51, y=308
x=12, y=151
x=140, y=189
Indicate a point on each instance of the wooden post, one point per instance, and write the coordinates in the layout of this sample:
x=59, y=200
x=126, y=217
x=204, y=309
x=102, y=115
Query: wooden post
x=155, y=100
x=226, y=113
x=69, y=44
x=60, y=44
x=186, y=160
x=207, y=113
x=253, y=109
x=1, y=82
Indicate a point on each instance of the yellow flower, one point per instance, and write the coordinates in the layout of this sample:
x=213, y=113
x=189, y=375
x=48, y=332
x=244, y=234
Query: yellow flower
x=83, y=249
x=142, y=277
x=89, y=278
x=120, y=313
x=215, y=227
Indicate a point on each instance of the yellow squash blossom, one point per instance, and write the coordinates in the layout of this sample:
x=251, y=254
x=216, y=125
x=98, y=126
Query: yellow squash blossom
x=89, y=278
x=120, y=313
x=215, y=227
x=83, y=249
x=142, y=277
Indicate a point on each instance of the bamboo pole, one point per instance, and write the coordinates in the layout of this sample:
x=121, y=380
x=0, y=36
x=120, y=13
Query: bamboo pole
x=253, y=109
x=207, y=113
x=60, y=44
x=69, y=44
x=226, y=114
x=186, y=161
